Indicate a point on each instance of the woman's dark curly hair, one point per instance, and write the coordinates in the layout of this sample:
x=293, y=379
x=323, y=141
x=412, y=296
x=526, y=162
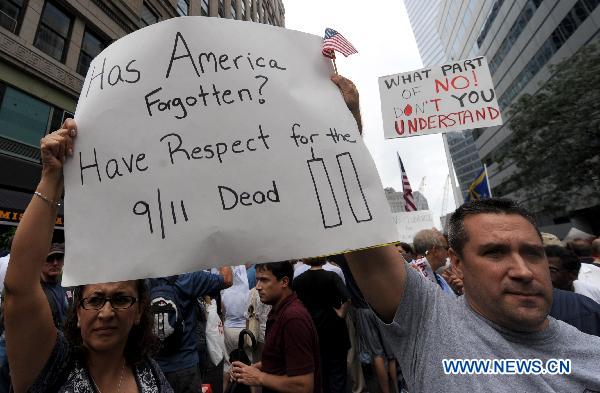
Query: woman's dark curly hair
x=141, y=342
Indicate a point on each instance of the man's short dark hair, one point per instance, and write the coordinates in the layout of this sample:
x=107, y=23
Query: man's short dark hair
x=279, y=269
x=568, y=259
x=596, y=247
x=580, y=247
x=457, y=235
x=406, y=247
x=318, y=261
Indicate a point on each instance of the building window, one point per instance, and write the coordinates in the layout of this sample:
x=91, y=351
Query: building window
x=204, y=7
x=259, y=12
x=270, y=11
x=183, y=7
x=233, y=9
x=513, y=34
x=488, y=22
x=474, y=51
x=23, y=118
x=255, y=11
x=559, y=36
x=265, y=13
x=58, y=117
x=591, y=4
x=53, y=32
x=221, y=9
x=91, y=46
x=11, y=14
x=147, y=17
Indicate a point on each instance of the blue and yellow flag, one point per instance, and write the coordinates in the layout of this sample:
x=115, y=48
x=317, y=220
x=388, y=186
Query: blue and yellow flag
x=480, y=188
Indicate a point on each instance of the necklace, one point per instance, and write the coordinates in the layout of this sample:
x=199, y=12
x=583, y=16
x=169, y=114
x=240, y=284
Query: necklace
x=120, y=379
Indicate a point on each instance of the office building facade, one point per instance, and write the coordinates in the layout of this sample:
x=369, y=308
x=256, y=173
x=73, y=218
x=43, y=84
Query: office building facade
x=423, y=16
x=442, y=29
x=396, y=200
x=520, y=39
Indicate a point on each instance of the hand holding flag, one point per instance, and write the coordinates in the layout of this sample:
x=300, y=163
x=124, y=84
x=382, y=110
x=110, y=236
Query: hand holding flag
x=334, y=41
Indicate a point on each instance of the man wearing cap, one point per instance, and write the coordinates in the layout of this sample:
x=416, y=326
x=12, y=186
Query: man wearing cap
x=50, y=279
x=57, y=298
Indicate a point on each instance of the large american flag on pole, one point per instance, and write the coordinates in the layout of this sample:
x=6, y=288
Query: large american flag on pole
x=409, y=201
x=334, y=41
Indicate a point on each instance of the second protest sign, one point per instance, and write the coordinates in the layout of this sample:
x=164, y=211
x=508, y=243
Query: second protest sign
x=450, y=97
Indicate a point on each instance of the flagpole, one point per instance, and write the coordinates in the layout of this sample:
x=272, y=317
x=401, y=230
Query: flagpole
x=487, y=180
x=458, y=198
x=334, y=65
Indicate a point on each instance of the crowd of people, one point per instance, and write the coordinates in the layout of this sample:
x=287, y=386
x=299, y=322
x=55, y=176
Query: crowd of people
x=382, y=319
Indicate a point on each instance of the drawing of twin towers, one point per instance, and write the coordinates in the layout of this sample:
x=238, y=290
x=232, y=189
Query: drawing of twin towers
x=328, y=203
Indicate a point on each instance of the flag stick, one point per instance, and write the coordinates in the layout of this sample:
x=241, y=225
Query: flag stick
x=487, y=180
x=334, y=65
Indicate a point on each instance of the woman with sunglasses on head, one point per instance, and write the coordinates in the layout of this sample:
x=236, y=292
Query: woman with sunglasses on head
x=107, y=337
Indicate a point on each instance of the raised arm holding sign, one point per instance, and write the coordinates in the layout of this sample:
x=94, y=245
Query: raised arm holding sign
x=109, y=335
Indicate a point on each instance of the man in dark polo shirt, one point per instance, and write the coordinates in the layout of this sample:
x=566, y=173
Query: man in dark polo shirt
x=290, y=358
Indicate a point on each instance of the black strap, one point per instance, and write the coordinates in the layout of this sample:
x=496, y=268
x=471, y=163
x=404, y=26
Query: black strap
x=172, y=279
x=2, y=319
x=241, y=340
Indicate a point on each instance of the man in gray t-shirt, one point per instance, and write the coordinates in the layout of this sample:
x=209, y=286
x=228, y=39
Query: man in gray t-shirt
x=501, y=321
x=429, y=327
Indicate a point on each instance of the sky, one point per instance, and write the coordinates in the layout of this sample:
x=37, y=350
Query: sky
x=380, y=31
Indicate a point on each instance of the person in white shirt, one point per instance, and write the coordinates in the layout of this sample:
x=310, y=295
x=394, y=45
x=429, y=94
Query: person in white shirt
x=233, y=302
x=589, y=274
x=586, y=289
x=3, y=266
x=301, y=267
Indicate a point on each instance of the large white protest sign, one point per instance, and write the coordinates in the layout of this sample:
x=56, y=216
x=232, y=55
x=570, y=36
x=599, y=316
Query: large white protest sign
x=449, y=97
x=409, y=223
x=206, y=142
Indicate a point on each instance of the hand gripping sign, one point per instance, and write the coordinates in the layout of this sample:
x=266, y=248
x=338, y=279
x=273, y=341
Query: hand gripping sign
x=201, y=146
x=450, y=97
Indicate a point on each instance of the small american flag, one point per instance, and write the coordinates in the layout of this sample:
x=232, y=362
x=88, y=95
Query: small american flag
x=409, y=201
x=334, y=41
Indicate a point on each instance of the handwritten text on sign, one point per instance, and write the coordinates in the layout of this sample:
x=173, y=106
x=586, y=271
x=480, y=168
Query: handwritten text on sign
x=409, y=223
x=450, y=97
x=200, y=146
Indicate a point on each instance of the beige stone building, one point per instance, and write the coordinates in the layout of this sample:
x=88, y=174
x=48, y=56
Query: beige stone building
x=396, y=200
x=46, y=47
